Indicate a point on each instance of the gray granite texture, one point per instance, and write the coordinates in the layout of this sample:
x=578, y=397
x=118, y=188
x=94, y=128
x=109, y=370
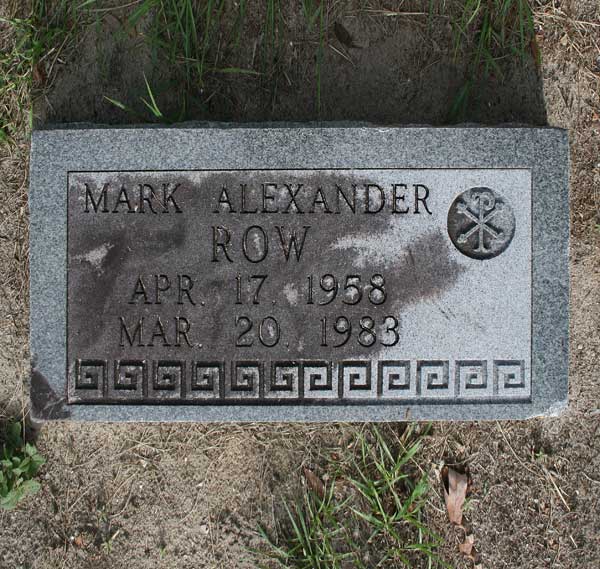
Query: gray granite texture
x=484, y=324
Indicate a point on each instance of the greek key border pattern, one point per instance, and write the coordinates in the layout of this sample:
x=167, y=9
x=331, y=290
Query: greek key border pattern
x=205, y=382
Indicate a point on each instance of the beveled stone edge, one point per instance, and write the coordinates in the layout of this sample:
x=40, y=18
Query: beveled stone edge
x=551, y=273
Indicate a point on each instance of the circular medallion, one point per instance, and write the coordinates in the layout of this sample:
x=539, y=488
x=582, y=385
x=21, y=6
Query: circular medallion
x=480, y=223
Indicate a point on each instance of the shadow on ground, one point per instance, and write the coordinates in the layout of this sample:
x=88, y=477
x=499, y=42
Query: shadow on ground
x=397, y=69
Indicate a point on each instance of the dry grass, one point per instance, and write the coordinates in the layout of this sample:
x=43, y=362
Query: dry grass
x=575, y=100
x=15, y=103
x=34, y=36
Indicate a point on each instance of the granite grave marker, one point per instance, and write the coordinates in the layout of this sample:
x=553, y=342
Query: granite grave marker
x=299, y=273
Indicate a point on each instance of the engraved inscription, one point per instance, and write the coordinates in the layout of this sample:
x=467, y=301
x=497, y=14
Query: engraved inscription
x=355, y=377
x=434, y=380
x=128, y=381
x=244, y=381
x=167, y=379
x=206, y=380
x=284, y=380
x=480, y=223
x=90, y=374
x=473, y=379
x=511, y=379
x=298, y=287
x=281, y=382
x=318, y=381
x=395, y=379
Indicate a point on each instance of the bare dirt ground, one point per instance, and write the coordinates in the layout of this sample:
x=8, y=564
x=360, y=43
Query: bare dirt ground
x=190, y=496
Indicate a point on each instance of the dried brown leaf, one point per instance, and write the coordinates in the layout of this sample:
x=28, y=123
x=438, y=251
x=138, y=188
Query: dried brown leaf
x=467, y=548
x=455, y=492
x=314, y=482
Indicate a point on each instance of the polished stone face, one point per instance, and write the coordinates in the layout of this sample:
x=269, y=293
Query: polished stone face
x=271, y=272
x=252, y=277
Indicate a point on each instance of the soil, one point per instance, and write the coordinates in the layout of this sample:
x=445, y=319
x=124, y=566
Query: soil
x=189, y=496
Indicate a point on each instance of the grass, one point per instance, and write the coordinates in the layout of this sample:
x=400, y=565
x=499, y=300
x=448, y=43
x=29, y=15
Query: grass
x=37, y=40
x=184, y=30
x=205, y=42
x=19, y=463
x=199, y=36
x=16, y=69
x=190, y=34
x=314, y=13
x=150, y=104
x=370, y=508
x=495, y=33
x=203, y=39
x=393, y=499
x=315, y=533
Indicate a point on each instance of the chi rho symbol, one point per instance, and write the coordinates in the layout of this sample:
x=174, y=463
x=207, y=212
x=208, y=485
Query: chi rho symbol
x=481, y=210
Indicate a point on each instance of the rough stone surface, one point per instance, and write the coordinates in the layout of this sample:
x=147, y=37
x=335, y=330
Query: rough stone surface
x=471, y=255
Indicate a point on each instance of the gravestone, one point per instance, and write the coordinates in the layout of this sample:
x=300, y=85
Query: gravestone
x=299, y=273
